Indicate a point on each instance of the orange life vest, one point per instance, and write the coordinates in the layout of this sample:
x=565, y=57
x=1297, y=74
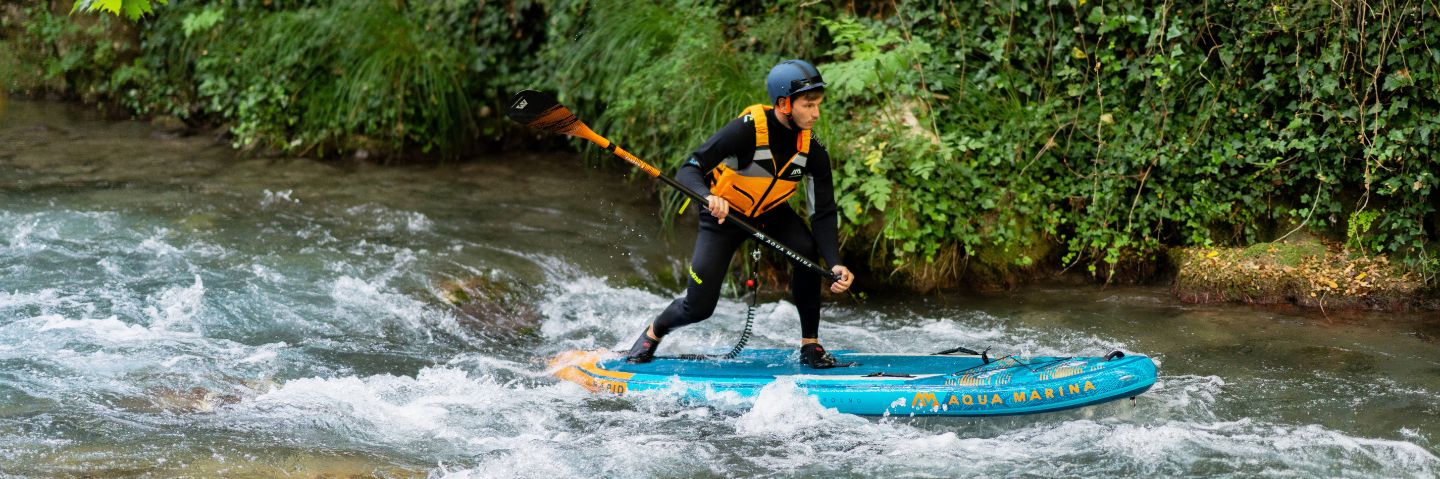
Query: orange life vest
x=753, y=190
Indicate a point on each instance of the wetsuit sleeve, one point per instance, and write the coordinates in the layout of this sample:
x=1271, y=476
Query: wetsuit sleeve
x=823, y=218
x=736, y=139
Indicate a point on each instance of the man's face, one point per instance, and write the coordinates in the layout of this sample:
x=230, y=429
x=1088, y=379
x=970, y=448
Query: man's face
x=805, y=111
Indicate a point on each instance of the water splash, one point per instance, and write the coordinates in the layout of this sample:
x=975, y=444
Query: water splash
x=178, y=308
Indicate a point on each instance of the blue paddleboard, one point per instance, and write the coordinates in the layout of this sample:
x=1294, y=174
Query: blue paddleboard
x=879, y=384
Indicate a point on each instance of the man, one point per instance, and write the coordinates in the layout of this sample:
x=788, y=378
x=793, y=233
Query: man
x=750, y=167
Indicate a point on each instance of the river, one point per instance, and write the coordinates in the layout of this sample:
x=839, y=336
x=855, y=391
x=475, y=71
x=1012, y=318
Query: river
x=169, y=308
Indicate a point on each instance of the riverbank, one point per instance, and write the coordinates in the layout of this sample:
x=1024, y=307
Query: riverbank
x=1305, y=273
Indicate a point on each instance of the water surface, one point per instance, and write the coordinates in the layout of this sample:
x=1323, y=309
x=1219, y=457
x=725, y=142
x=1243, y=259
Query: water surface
x=168, y=308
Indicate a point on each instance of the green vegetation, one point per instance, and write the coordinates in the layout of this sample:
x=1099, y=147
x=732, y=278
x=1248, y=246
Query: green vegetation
x=303, y=77
x=1117, y=129
x=132, y=9
x=48, y=51
x=974, y=139
x=347, y=76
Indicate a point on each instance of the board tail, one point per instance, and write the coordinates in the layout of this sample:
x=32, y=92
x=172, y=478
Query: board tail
x=580, y=368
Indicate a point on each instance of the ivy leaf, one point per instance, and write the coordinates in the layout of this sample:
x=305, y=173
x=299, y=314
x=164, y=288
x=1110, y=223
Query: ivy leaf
x=1399, y=79
x=1097, y=16
x=1227, y=57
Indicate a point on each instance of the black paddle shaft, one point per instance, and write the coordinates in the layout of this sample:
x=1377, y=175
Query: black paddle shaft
x=755, y=232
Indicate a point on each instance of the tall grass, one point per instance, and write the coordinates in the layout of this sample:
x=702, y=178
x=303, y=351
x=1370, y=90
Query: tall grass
x=656, y=77
x=10, y=69
x=657, y=73
x=343, y=76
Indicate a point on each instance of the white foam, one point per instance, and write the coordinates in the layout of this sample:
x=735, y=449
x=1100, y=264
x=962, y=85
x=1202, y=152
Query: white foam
x=489, y=364
x=110, y=329
x=976, y=330
x=178, y=308
x=782, y=409
x=156, y=245
x=1184, y=396
x=417, y=222
x=265, y=353
x=585, y=307
x=280, y=197
x=370, y=306
x=1080, y=448
x=111, y=269
x=439, y=403
x=1174, y=447
x=20, y=236
x=21, y=300
x=390, y=220
x=385, y=403
x=266, y=274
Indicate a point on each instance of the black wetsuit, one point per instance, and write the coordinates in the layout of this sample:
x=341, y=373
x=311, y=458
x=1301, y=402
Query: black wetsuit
x=717, y=242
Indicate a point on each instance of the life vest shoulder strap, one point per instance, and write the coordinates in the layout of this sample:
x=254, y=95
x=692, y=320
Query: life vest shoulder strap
x=762, y=129
x=762, y=126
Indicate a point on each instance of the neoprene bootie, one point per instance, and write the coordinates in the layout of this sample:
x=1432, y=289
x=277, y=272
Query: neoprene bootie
x=814, y=355
x=644, y=349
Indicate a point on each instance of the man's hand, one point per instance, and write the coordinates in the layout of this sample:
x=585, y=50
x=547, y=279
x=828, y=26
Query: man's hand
x=845, y=279
x=718, y=207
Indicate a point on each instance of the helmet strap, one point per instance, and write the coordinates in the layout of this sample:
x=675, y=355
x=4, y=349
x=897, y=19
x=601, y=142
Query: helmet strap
x=782, y=105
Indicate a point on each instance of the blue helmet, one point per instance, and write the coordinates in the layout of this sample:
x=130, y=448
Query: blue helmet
x=791, y=77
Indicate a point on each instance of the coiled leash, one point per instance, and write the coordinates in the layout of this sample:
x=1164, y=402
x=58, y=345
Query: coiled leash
x=753, y=283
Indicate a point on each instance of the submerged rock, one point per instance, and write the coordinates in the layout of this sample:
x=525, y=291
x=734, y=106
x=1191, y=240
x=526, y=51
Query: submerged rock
x=491, y=303
x=169, y=127
x=126, y=460
x=197, y=399
x=303, y=465
x=193, y=400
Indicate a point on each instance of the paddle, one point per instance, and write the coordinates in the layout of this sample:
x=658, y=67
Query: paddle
x=538, y=110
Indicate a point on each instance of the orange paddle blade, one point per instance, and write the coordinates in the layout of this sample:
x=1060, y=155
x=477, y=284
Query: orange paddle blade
x=540, y=111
